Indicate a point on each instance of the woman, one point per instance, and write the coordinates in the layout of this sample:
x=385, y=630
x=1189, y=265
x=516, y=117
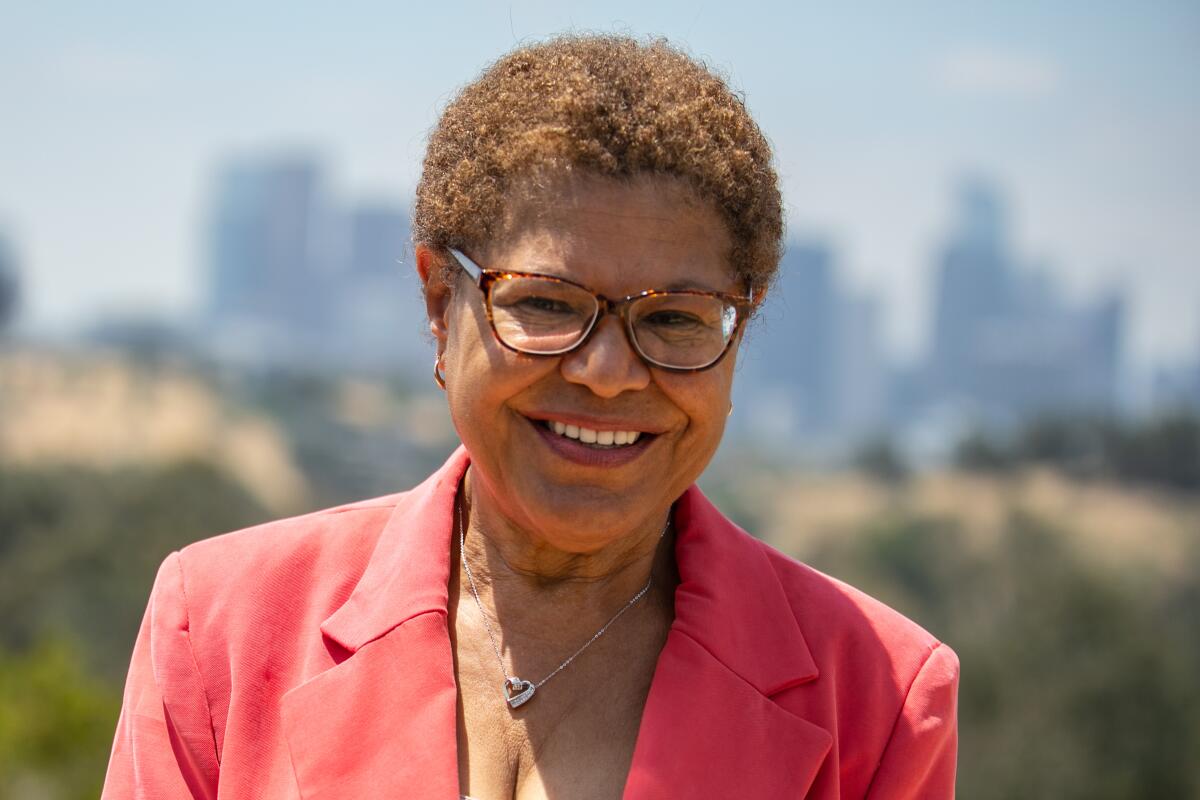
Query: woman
x=558, y=611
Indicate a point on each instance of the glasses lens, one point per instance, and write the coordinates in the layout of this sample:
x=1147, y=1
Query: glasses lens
x=687, y=331
x=540, y=315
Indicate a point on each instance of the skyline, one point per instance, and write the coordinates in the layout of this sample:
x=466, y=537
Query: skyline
x=1086, y=118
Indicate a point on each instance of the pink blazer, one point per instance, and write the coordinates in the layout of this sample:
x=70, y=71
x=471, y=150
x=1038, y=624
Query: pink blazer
x=310, y=658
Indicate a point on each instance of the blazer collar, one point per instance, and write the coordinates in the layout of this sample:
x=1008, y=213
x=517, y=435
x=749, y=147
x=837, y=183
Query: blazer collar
x=709, y=720
x=409, y=572
x=731, y=602
x=382, y=721
x=710, y=727
x=753, y=632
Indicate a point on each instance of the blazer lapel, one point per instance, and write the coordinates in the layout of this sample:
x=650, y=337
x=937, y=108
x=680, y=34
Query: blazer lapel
x=382, y=722
x=707, y=733
x=710, y=727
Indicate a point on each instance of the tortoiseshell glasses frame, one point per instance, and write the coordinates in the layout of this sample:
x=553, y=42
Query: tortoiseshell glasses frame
x=487, y=280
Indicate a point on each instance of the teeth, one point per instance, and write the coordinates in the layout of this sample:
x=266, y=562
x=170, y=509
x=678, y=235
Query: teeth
x=589, y=436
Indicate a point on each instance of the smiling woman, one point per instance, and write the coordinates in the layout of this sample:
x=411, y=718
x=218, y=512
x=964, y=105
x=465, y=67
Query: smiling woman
x=558, y=611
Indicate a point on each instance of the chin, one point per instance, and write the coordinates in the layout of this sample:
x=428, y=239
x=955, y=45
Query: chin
x=590, y=516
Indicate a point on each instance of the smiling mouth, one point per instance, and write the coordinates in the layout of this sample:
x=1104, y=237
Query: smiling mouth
x=601, y=440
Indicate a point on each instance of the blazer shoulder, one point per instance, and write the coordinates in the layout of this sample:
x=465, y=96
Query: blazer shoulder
x=291, y=542
x=314, y=559
x=845, y=623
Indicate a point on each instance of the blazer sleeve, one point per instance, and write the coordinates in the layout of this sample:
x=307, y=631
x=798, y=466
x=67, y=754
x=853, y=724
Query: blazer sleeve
x=920, y=758
x=164, y=747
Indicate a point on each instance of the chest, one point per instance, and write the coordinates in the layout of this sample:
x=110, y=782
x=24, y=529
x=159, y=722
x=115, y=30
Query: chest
x=575, y=737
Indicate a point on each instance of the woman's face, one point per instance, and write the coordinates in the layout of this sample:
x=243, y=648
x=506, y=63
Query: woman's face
x=617, y=239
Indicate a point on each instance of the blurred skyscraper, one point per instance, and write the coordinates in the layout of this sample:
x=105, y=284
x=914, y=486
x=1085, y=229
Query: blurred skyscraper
x=1177, y=387
x=799, y=353
x=265, y=278
x=813, y=377
x=9, y=285
x=295, y=280
x=860, y=369
x=380, y=311
x=1007, y=345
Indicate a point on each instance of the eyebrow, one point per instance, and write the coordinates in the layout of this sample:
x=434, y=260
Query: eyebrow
x=686, y=285
x=555, y=269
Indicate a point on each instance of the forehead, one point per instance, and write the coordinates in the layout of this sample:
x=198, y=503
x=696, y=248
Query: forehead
x=616, y=236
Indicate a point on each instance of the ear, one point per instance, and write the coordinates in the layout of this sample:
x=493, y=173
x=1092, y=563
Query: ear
x=437, y=293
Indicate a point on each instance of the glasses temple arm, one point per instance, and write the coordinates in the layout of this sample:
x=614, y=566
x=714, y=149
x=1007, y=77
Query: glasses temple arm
x=464, y=261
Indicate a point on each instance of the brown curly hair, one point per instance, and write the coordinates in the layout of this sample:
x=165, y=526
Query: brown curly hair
x=606, y=105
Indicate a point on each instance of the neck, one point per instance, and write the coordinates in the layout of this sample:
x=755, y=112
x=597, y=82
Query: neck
x=507, y=559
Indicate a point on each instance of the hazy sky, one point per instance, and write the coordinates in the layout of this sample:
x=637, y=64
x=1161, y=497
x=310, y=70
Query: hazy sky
x=115, y=116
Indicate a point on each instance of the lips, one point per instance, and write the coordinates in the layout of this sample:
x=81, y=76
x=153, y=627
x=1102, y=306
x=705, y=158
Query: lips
x=611, y=444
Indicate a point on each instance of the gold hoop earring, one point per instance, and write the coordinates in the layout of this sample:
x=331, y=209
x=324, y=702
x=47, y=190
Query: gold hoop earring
x=438, y=377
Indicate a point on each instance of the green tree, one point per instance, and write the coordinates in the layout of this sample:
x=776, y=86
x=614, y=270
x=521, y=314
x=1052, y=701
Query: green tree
x=56, y=723
x=79, y=548
x=1078, y=681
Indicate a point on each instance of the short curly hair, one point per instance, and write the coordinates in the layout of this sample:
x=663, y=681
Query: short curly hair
x=606, y=105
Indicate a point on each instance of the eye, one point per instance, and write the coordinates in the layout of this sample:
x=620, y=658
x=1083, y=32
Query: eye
x=670, y=318
x=544, y=305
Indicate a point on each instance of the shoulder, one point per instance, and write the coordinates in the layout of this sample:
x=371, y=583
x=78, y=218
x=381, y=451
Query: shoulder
x=328, y=546
x=888, y=686
x=843, y=629
x=880, y=666
x=270, y=578
x=837, y=617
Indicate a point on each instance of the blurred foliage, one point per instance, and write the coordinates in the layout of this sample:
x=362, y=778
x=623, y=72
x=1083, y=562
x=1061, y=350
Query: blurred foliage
x=78, y=553
x=1078, y=681
x=56, y=723
x=1162, y=451
x=879, y=458
x=79, y=548
x=343, y=461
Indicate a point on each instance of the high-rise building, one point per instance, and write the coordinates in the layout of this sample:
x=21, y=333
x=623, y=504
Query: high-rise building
x=9, y=286
x=973, y=288
x=266, y=298
x=295, y=280
x=1006, y=344
x=813, y=377
x=381, y=311
x=264, y=240
x=860, y=368
x=812, y=373
x=801, y=349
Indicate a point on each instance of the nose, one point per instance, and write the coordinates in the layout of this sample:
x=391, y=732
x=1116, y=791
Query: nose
x=606, y=364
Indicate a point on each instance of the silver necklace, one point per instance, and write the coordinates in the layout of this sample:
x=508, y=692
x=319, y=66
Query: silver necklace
x=517, y=692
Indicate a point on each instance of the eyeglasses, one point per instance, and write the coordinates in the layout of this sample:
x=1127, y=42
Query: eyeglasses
x=544, y=315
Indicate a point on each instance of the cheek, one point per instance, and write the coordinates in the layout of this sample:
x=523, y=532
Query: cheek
x=704, y=398
x=482, y=374
x=471, y=350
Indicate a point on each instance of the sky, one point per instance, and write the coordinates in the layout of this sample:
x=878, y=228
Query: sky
x=117, y=116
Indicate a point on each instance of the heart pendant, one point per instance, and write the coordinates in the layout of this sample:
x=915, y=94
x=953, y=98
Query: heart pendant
x=517, y=691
